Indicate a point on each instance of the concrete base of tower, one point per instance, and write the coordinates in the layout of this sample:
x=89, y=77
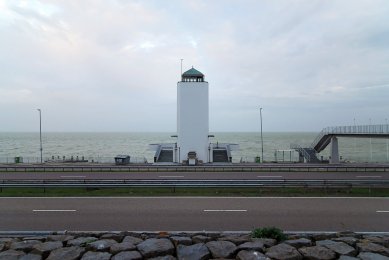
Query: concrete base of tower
x=170, y=153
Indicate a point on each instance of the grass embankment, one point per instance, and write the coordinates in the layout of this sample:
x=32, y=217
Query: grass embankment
x=216, y=192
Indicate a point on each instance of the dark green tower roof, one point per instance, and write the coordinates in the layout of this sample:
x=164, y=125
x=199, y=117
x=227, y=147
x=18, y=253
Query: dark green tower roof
x=192, y=73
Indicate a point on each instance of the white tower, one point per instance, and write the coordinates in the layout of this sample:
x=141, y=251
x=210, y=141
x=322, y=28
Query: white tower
x=192, y=117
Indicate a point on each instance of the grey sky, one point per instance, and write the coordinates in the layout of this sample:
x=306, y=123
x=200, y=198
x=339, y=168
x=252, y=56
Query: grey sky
x=99, y=65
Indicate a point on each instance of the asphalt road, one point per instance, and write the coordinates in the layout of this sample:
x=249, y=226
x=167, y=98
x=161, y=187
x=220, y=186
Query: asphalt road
x=195, y=175
x=193, y=214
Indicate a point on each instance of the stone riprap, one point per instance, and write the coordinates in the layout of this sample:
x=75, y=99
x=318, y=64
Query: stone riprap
x=193, y=246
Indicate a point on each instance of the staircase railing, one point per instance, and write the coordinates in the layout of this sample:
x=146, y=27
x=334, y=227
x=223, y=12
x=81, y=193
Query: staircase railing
x=301, y=150
x=157, y=153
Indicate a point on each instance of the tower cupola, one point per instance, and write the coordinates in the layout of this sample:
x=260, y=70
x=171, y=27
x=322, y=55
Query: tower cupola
x=192, y=75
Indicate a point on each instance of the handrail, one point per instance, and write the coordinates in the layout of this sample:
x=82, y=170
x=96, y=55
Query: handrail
x=157, y=153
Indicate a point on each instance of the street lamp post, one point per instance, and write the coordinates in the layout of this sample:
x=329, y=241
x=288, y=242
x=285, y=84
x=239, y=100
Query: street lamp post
x=355, y=140
x=260, y=113
x=40, y=132
x=371, y=148
x=387, y=144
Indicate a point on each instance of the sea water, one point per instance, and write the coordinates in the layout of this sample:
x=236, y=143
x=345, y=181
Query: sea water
x=103, y=147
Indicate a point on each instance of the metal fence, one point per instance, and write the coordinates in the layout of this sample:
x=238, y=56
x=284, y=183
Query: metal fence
x=68, y=159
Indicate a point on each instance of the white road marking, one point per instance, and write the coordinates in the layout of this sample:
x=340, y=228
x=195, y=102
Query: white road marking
x=73, y=176
x=269, y=176
x=369, y=176
x=382, y=211
x=180, y=176
x=54, y=210
x=225, y=210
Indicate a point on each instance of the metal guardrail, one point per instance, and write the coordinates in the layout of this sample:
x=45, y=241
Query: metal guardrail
x=214, y=168
x=88, y=183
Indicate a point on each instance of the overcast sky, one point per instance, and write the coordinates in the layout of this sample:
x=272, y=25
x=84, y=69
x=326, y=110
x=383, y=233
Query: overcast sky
x=101, y=65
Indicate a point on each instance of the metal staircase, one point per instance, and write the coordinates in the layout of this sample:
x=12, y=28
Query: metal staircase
x=358, y=131
x=323, y=139
x=307, y=152
x=312, y=155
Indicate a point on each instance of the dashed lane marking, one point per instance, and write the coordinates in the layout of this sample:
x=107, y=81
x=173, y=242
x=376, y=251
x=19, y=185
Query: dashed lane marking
x=225, y=210
x=269, y=176
x=180, y=176
x=73, y=176
x=54, y=210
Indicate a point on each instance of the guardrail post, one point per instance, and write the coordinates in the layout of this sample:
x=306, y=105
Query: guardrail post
x=350, y=188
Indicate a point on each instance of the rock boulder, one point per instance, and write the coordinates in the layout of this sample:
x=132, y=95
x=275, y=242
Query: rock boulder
x=11, y=255
x=127, y=255
x=45, y=248
x=251, y=255
x=317, y=253
x=154, y=247
x=66, y=253
x=101, y=245
x=371, y=256
x=284, y=252
x=222, y=249
x=96, y=256
x=372, y=248
x=297, y=243
x=194, y=252
x=124, y=246
x=252, y=246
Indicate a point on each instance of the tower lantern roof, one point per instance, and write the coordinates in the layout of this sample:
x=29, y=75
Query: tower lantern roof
x=193, y=75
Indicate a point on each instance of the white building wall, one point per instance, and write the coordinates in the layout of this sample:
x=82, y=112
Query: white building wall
x=192, y=119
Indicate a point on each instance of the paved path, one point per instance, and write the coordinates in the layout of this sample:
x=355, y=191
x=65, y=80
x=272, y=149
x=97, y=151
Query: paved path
x=196, y=175
x=194, y=213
